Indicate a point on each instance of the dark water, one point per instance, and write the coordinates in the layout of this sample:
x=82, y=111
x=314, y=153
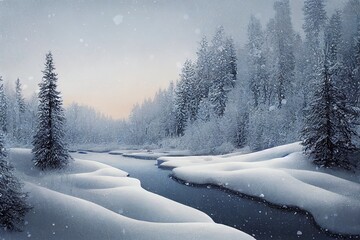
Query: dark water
x=255, y=218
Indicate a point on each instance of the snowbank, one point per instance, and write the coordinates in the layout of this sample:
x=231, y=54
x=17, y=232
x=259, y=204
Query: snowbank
x=150, y=155
x=283, y=176
x=91, y=200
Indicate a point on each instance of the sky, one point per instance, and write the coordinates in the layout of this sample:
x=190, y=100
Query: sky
x=112, y=54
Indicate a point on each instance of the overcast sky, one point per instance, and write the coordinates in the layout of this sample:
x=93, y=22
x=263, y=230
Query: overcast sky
x=112, y=54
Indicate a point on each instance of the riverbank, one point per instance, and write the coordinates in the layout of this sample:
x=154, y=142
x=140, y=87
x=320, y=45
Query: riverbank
x=92, y=200
x=284, y=177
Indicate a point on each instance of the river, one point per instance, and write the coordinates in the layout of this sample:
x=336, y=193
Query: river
x=255, y=218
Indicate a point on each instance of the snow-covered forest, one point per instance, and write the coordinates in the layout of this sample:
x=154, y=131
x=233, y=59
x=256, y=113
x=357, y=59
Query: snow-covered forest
x=252, y=141
x=259, y=95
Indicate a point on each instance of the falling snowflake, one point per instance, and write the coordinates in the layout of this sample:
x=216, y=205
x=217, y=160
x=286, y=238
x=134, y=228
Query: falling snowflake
x=118, y=19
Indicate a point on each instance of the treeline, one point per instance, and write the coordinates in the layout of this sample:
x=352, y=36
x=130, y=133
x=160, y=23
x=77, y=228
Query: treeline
x=83, y=125
x=259, y=95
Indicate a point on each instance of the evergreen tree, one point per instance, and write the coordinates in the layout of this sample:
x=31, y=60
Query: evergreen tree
x=19, y=97
x=328, y=131
x=285, y=59
x=13, y=206
x=3, y=107
x=19, y=113
x=258, y=82
x=185, y=109
x=203, y=68
x=314, y=23
x=49, y=147
x=223, y=71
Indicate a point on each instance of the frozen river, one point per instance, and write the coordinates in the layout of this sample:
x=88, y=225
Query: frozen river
x=253, y=217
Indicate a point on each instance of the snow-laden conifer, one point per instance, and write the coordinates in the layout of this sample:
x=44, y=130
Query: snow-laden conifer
x=49, y=147
x=13, y=206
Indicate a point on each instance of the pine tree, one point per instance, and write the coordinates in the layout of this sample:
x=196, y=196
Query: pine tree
x=223, y=71
x=258, y=82
x=19, y=97
x=328, y=131
x=3, y=108
x=314, y=23
x=19, y=113
x=13, y=206
x=185, y=108
x=203, y=68
x=284, y=41
x=49, y=147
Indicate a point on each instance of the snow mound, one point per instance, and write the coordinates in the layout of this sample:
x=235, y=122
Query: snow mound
x=92, y=200
x=283, y=176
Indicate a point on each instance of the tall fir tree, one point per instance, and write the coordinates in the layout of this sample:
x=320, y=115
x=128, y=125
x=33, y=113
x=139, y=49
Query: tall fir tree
x=49, y=147
x=19, y=114
x=328, y=130
x=223, y=71
x=285, y=59
x=20, y=101
x=184, y=98
x=314, y=24
x=13, y=205
x=203, y=68
x=256, y=61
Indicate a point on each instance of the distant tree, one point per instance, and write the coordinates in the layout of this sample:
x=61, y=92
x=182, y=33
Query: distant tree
x=3, y=107
x=13, y=206
x=49, y=147
x=19, y=97
x=203, y=68
x=184, y=97
x=223, y=71
x=258, y=77
x=314, y=23
x=19, y=113
x=284, y=51
x=328, y=131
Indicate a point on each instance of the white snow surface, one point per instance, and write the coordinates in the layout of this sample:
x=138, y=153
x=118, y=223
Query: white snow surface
x=283, y=176
x=92, y=200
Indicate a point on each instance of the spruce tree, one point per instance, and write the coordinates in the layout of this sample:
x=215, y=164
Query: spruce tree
x=223, y=71
x=19, y=111
x=314, y=23
x=20, y=101
x=184, y=98
x=285, y=59
x=13, y=206
x=256, y=61
x=328, y=130
x=49, y=147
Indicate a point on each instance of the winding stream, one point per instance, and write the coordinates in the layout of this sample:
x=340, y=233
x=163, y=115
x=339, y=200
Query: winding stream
x=255, y=218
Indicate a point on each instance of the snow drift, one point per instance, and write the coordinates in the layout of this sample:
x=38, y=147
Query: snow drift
x=91, y=200
x=283, y=176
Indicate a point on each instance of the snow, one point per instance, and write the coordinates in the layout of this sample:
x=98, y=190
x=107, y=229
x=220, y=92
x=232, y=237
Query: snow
x=118, y=19
x=92, y=200
x=150, y=155
x=283, y=176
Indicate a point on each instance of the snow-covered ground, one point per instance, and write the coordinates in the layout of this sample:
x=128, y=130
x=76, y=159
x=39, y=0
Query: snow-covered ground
x=91, y=200
x=283, y=176
x=150, y=154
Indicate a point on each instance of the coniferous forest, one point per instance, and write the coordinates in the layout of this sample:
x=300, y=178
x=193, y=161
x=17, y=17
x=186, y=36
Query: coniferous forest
x=280, y=88
x=263, y=130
